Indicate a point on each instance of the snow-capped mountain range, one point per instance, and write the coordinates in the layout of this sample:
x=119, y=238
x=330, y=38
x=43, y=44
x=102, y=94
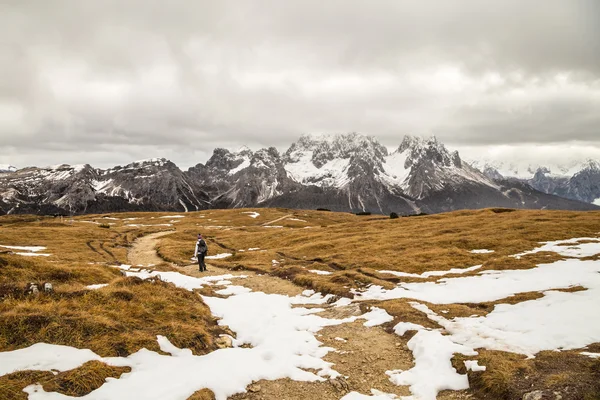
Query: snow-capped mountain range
x=345, y=172
x=577, y=180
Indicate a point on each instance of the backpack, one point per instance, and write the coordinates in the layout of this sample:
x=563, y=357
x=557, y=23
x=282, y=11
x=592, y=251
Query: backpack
x=202, y=247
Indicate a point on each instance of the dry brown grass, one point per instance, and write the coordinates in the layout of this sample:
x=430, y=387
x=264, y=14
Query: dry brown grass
x=77, y=382
x=128, y=314
x=510, y=376
x=340, y=241
x=113, y=321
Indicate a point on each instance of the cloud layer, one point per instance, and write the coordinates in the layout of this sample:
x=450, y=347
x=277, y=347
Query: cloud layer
x=107, y=82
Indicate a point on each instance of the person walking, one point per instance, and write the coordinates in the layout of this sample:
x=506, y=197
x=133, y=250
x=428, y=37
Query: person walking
x=200, y=252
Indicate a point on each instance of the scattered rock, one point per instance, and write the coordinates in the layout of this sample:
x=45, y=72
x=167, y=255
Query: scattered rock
x=33, y=289
x=340, y=384
x=48, y=288
x=254, y=388
x=535, y=395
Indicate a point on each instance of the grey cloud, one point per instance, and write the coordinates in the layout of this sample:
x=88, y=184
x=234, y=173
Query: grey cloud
x=147, y=77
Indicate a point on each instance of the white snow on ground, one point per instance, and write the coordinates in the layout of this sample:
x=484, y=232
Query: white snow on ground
x=482, y=251
x=319, y=272
x=568, y=248
x=473, y=365
x=182, y=281
x=145, y=225
x=32, y=251
x=24, y=248
x=282, y=340
x=34, y=254
x=376, y=316
x=219, y=256
x=272, y=226
x=592, y=355
x=596, y=202
x=44, y=357
x=173, y=216
x=233, y=289
x=433, y=370
x=96, y=286
x=428, y=274
x=252, y=214
x=402, y=327
x=559, y=320
x=296, y=219
x=377, y=395
x=492, y=285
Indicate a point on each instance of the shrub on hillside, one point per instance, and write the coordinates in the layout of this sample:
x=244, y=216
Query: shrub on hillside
x=393, y=215
x=363, y=213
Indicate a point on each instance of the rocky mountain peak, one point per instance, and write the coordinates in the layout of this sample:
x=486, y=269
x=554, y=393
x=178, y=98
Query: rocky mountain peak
x=323, y=149
x=429, y=150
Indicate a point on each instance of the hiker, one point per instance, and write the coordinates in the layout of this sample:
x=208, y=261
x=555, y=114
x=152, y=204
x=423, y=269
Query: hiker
x=200, y=252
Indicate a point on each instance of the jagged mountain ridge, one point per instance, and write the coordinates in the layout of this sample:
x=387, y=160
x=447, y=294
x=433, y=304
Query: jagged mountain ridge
x=345, y=172
x=576, y=180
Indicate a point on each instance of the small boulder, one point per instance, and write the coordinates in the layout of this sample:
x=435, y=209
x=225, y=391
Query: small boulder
x=535, y=395
x=254, y=388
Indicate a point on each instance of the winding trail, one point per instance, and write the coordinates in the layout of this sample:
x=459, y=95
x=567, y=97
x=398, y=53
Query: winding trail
x=362, y=357
x=278, y=219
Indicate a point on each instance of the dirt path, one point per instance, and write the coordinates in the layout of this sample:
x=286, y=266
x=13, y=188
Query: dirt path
x=362, y=354
x=143, y=251
x=278, y=219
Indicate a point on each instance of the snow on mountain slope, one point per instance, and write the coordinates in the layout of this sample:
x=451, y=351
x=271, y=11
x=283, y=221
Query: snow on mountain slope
x=395, y=168
x=7, y=168
x=524, y=169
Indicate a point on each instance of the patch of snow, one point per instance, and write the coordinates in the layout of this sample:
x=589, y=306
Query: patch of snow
x=219, y=256
x=25, y=248
x=376, y=395
x=253, y=248
x=233, y=289
x=96, y=286
x=173, y=216
x=342, y=302
x=428, y=274
x=402, y=327
x=34, y=254
x=474, y=366
x=296, y=219
x=182, y=281
x=433, y=370
x=491, y=285
x=252, y=214
x=376, y=316
x=44, y=357
x=596, y=202
x=395, y=170
x=592, y=355
x=147, y=225
x=245, y=164
x=481, y=251
x=319, y=272
x=339, y=339
x=272, y=226
x=568, y=248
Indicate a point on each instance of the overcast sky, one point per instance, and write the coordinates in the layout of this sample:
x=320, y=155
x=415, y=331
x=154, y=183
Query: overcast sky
x=108, y=82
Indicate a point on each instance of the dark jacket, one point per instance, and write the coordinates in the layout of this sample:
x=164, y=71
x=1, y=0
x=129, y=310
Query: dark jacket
x=201, y=248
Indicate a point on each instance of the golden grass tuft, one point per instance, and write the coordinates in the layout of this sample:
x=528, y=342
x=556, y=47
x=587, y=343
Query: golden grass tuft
x=510, y=376
x=77, y=382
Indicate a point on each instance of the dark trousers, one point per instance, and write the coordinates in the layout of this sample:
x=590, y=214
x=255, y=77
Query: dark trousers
x=201, y=264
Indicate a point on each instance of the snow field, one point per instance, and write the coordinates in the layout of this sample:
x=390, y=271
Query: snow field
x=282, y=339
